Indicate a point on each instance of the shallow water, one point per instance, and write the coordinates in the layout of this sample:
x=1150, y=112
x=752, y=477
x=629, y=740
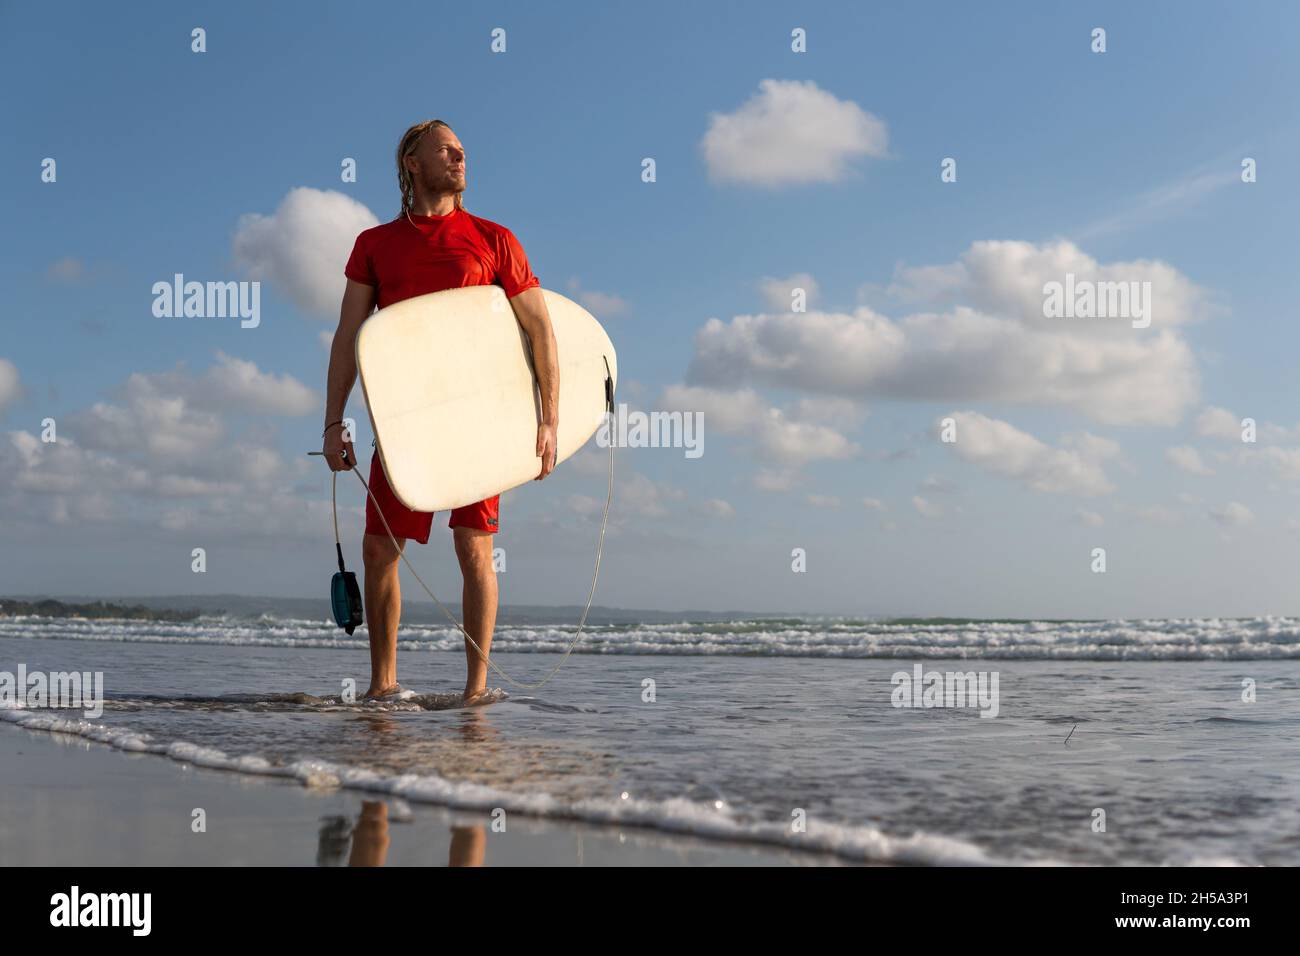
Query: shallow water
x=735, y=746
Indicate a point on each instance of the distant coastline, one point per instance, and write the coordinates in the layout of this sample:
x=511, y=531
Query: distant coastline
x=10, y=607
x=190, y=607
x=318, y=608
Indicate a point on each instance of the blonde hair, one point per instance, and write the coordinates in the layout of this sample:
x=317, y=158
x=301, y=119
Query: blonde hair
x=410, y=140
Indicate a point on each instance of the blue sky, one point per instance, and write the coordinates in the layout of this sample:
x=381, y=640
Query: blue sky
x=817, y=169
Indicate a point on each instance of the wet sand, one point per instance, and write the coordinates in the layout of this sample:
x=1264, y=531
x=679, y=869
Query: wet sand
x=67, y=801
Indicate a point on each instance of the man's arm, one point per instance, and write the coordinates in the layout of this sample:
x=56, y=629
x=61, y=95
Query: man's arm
x=358, y=303
x=530, y=310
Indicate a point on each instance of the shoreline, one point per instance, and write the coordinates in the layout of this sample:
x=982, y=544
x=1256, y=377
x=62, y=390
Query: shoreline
x=734, y=752
x=71, y=801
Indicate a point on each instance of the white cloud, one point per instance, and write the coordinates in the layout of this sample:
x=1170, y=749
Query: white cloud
x=161, y=457
x=630, y=389
x=1284, y=462
x=1155, y=514
x=636, y=497
x=1006, y=278
x=272, y=514
x=1188, y=459
x=937, y=484
x=220, y=495
x=778, y=293
x=64, y=468
x=1220, y=423
x=591, y=461
x=639, y=495
x=790, y=132
x=1089, y=518
x=1001, y=449
x=150, y=421
x=1163, y=201
x=183, y=486
x=730, y=412
x=874, y=504
x=585, y=505
x=717, y=508
x=824, y=352
x=1092, y=447
x=797, y=443
x=1233, y=514
x=237, y=383
x=927, y=509
x=1216, y=422
x=995, y=347
x=303, y=246
x=840, y=413
x=602, y=305
x=176, y=415
x=823, y=501
x=165, y=438
x=775, y=479
x=777, y=438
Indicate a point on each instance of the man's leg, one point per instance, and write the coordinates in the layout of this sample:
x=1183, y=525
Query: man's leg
x=383, y=607
x=478, y=600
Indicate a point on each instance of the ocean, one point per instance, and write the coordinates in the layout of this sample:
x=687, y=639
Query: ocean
x=1092, y=742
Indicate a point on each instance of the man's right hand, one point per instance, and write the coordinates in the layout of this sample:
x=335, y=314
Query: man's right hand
x=358, y=303
x=334, y=448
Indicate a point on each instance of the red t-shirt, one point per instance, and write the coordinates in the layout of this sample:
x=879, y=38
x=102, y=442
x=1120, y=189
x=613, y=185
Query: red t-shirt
x=402, y=259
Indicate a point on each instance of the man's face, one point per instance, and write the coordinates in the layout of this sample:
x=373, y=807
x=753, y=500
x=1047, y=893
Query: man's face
x=438, y=163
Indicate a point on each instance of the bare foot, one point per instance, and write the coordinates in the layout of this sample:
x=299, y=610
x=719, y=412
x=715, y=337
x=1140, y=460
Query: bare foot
x=473, y=695
x=382, y=693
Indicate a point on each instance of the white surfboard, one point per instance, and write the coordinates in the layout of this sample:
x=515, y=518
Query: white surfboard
x=448, y=379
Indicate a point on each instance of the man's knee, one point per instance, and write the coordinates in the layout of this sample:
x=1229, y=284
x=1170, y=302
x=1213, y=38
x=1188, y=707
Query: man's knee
x=377, y=551
x=473, y=548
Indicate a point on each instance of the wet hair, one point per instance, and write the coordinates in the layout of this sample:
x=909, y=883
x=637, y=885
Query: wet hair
x=410, y=140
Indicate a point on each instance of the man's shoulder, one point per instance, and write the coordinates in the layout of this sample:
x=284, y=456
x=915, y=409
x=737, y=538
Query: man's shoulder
x=367, y=236
x=487, y=226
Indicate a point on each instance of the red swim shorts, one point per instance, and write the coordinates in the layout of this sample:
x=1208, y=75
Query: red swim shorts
x=405, y=523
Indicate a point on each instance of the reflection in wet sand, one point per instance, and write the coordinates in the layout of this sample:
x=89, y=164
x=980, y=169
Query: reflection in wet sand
x=370, y=837
x=468, y=845
x=475, y=750
x=300, y=702
x=366, y=842
x=424, y=734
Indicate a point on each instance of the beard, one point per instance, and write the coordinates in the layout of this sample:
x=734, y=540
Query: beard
x=431, y=183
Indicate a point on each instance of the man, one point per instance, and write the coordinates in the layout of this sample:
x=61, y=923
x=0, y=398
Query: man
x=433, y=245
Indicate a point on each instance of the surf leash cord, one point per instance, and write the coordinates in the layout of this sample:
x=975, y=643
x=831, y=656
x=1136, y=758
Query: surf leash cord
x=600, y=547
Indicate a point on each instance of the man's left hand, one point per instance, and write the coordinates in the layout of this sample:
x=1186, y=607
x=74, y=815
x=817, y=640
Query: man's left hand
x=545, y=449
